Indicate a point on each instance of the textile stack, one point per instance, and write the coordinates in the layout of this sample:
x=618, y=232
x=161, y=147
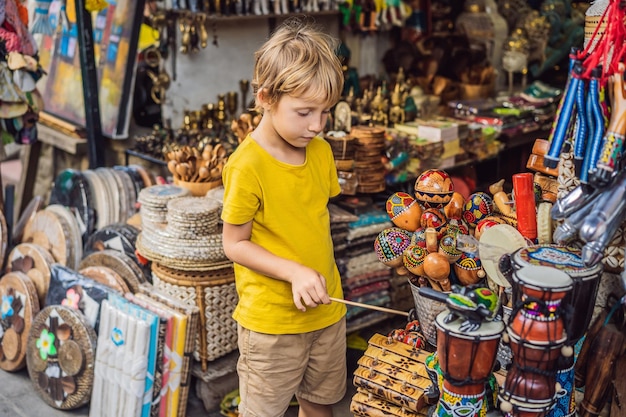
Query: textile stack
x=364, y=278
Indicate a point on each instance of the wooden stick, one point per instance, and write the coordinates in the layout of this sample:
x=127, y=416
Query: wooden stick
x=371, y=307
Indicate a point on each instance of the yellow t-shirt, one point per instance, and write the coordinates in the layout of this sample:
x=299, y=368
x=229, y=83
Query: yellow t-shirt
x=288, y=208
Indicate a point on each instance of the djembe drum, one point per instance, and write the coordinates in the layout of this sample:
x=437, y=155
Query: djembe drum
x=536, y=334
x=577, y=305
x=466, y=360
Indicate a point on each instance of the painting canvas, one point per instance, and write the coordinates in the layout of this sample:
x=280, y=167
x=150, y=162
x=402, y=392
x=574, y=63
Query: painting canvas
x=115, y=34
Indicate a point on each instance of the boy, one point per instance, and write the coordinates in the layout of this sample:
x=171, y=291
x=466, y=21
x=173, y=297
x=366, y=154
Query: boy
x=277, y=232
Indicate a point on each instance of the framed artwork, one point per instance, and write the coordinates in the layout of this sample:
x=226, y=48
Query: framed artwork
x=115, y=37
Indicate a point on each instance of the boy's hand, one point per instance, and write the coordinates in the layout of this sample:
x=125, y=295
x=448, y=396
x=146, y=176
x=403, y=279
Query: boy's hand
x=309, y=289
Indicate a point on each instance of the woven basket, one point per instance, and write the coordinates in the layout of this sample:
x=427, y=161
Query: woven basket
x=427, y=310
x=214, y=293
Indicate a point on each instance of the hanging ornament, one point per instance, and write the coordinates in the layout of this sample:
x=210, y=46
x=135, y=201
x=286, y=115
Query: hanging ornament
x=95, y=5
x=41, y=22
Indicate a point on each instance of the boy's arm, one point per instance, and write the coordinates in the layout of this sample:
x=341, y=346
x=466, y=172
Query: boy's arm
x=308, y=286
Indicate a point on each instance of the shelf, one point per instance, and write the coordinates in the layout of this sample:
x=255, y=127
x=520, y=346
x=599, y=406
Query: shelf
x=244, y=17
x=145, y=157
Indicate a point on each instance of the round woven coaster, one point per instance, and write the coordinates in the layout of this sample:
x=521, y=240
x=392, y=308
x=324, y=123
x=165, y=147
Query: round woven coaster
x=119, y=262
x=20, y=304
x=60, y=354
x=50, y=232
x=34, y=261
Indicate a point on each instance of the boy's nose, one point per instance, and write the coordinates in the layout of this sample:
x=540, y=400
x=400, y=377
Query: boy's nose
x=317, y=125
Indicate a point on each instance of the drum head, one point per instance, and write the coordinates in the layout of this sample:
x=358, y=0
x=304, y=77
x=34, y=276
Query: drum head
x=496, y=241
x=541, y=277
x=565, y=258
x=488, y=329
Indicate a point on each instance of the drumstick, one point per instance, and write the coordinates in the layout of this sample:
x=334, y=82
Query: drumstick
x=369, y=306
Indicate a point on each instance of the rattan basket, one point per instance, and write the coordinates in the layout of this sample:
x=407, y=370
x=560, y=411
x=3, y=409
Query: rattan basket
x=214, y=293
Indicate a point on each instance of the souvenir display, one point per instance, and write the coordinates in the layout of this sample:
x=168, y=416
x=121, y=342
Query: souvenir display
x=20, y=304
x=154, y=201
x=60, y=357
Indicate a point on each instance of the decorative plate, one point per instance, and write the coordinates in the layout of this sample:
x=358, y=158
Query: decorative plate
x=20, y=305
x=60, y=357
x=34, y=261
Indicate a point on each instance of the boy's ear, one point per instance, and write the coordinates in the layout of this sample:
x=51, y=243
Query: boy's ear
x=263, y=99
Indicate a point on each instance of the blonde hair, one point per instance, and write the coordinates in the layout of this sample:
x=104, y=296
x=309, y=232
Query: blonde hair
x=299, y=60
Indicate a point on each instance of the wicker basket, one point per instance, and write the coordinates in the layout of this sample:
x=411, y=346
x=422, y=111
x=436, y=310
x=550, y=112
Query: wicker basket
x=214, y=293
x=427, y=310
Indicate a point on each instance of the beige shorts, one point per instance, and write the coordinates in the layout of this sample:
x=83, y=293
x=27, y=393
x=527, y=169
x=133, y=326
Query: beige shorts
x=272, y=368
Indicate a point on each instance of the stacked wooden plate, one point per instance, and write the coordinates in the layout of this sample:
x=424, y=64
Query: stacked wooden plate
x=368, y=163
